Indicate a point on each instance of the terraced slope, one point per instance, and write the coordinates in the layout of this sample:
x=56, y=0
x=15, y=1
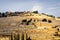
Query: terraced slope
x=37, y=26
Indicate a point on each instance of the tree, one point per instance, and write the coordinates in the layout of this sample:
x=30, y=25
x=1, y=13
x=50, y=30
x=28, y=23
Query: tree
x=4, y=15
x=51, y=16
x=0, y=14
x=35, y=12
x=58, y=17
x=44, y=14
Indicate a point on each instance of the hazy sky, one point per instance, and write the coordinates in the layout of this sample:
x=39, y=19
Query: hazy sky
x=43, y=6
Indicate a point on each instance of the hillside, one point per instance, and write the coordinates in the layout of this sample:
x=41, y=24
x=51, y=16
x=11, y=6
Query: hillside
x=37, y=26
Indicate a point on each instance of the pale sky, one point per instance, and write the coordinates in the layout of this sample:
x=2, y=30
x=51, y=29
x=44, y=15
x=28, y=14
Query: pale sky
x=51, y=7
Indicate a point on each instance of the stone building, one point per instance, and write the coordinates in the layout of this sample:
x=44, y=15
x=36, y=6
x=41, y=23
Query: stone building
x=29, y=26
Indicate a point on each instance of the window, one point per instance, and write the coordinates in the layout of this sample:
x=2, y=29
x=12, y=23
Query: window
x=56, y=34
x=27, y=23
x=34, y=20
x=44, y=20
x=24, y=20
x=30, y=20
x=49, y=21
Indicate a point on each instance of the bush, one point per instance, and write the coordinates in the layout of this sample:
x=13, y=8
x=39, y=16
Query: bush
x=35, y=12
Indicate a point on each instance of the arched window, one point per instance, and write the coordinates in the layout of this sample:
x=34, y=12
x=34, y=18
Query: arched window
x=49, y=21
x=44, y=20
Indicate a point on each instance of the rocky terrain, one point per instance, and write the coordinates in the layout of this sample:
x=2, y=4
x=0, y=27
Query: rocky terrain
x=36, y=26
